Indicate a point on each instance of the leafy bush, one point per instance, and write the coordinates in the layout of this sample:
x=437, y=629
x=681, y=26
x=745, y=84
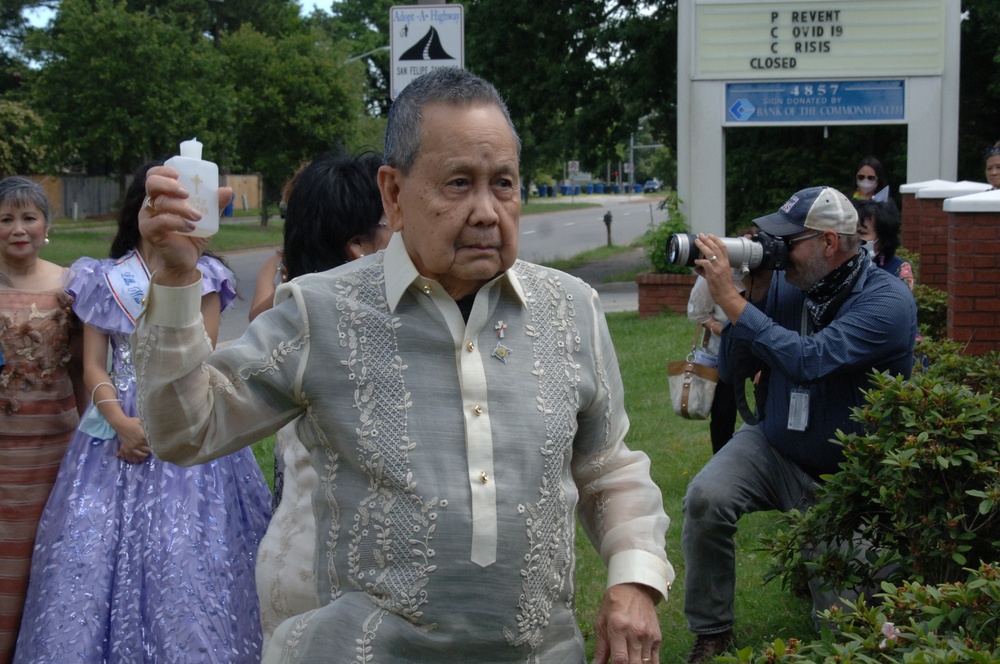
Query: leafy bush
x=945, y=362
x=918, y=497
x=954, y=622
x=655, y=240
x=916, y=501
x=932, y=311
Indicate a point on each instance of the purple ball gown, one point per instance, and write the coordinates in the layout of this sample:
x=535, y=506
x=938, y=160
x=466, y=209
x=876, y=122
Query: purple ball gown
x=146, y=562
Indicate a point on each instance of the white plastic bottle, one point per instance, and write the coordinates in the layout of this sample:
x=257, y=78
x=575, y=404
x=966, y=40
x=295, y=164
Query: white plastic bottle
x=201, y=179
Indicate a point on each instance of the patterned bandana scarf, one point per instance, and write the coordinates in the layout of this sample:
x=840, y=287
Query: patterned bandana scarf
x=825, y=296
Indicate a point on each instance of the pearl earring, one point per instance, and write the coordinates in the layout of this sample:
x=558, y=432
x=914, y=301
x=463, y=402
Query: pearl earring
x=46, y=240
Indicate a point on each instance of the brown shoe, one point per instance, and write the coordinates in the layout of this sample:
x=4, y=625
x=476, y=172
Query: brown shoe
x=707, y=646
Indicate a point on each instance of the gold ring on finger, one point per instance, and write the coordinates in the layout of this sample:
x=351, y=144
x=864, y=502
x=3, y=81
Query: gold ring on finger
x=149, y=207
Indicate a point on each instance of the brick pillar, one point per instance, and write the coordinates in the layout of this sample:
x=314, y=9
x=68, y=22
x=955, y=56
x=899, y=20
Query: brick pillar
x=909, y=216
x=912, y=215
x=928, y=213
x=974, y=271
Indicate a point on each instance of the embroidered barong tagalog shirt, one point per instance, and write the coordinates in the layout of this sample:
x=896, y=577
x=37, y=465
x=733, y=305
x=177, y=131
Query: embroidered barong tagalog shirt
x=451, y=458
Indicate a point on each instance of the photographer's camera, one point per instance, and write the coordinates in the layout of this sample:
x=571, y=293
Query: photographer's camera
x=760, y=251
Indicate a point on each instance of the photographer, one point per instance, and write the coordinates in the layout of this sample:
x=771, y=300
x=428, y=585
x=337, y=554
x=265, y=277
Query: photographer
x=826, y=323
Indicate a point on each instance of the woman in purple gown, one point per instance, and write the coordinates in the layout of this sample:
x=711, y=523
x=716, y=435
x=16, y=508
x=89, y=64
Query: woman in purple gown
x=138, y=560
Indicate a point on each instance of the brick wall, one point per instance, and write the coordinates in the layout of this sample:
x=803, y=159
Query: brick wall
x=663, y=292
x=909, y=216
x=933, y=244
x=973, y=280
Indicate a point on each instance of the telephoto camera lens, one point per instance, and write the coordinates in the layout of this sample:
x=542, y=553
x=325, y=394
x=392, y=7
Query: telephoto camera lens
x=745, y=254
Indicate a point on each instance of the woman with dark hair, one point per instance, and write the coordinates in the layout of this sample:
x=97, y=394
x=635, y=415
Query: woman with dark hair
x=41, y=389
x=340, y=190
x=334, y=216
x=878, y=227
x=870, y=180
x=137, y=559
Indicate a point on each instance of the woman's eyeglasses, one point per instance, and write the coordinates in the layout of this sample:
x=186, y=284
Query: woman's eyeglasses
x=862, y=178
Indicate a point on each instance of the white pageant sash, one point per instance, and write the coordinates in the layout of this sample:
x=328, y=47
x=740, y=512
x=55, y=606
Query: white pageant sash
x=129, y=281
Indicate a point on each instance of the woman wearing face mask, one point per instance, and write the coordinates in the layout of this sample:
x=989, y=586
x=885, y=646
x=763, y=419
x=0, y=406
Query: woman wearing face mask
x=993, y=165
x=870, y=180
x=878, y=226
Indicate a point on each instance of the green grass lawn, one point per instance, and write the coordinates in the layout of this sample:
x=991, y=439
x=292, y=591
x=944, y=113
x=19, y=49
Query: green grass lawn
x=678, y=449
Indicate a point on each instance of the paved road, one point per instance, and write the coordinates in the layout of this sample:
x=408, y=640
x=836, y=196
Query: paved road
x=543, y=237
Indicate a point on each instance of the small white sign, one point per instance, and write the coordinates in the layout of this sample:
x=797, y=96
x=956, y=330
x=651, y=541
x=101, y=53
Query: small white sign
x=573, y=167
x=424, y=38
x=628, y=166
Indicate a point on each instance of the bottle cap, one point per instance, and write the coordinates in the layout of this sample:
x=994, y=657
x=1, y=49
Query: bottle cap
x=191, y=149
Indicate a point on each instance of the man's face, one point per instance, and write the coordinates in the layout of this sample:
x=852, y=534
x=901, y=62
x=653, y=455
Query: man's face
x=807, y=259
x=458, y=208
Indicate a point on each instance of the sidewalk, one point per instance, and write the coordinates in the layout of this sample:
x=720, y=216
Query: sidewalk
x=615, y=295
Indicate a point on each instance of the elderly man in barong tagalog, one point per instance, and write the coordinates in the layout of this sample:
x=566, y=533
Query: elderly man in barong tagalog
x=460, y=408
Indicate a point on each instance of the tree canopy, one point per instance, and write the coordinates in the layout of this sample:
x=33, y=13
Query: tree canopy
x=111, y=83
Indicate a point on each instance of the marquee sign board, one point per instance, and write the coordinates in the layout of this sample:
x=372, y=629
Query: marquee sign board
x=818, y=38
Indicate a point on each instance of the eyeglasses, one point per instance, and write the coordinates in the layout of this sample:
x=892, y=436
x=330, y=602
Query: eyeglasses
x=790, y=241
x=862, y=178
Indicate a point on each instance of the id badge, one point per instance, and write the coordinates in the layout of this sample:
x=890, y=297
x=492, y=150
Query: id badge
x=798, y=410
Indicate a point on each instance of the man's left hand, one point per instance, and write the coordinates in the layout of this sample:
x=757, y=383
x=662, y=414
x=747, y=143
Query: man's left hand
x=628, y=630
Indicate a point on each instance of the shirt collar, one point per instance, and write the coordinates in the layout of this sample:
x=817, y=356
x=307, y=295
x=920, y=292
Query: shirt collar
x=401, y=274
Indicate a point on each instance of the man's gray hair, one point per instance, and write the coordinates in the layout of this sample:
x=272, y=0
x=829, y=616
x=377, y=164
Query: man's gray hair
x=449, y=85
x=850, y=243
x=21, y=192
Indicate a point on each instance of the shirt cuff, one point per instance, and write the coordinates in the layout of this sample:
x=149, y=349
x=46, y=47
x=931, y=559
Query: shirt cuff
x=751, y=321
x=167, y=306
x=637, y=566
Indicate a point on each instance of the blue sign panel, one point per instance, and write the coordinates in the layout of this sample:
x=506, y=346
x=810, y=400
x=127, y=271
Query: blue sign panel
x=820, y=102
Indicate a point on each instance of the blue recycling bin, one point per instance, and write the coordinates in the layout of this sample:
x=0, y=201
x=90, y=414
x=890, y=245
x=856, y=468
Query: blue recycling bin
x=228, y=212
x=543, y=190
x=576, y=189
x=638, y=188
x=590, y=188
x=600, y=188
x=618, y=189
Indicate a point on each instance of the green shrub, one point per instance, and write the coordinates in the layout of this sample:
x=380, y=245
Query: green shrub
x=946, y=624
x=920, y=491
x=655, y=240
x=945, y=362
x=932, y=311
x=917, y=501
